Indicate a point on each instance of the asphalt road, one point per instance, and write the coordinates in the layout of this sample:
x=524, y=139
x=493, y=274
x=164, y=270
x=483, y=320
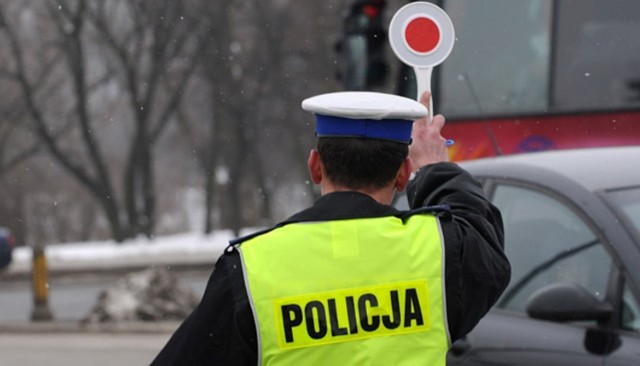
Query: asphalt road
x=71, y=349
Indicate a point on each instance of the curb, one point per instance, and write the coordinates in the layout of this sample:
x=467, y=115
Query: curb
x=114, y=270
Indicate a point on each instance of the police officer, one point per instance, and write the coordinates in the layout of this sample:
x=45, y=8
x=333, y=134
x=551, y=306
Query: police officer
x=351, y=280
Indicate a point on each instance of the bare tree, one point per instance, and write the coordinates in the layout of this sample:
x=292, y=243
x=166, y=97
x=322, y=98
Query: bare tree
x=224, y=142
x=262, y=58
x=146, y=51
x=100, y=83
x=169, y=32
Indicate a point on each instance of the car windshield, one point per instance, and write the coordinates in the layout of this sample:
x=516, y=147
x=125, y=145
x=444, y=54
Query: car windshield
x=627, y=202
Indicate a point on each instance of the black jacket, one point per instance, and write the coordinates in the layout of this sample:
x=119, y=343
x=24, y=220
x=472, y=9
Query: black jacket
x=221, y=330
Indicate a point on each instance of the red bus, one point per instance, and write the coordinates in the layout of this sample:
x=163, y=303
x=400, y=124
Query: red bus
x=537, y=74
x=532, y=75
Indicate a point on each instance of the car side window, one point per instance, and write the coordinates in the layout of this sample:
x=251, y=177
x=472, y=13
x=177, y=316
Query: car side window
x=547, y=243
x=630, y=311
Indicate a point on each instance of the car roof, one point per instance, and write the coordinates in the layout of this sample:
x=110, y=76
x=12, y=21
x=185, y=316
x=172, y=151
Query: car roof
x=593, y=168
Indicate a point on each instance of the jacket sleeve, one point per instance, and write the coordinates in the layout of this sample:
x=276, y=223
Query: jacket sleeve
x=476, y=268
x=220, y=330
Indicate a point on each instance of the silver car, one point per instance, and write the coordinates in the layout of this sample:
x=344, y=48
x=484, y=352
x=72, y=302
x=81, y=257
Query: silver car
x=572, y=234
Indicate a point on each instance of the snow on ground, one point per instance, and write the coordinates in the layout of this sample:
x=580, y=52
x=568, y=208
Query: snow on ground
x=187, y=248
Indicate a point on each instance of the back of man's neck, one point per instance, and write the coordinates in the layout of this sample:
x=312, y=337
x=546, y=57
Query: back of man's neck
x=383, y=195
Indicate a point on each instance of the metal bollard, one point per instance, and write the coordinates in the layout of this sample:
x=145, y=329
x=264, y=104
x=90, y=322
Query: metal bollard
x=40, y=280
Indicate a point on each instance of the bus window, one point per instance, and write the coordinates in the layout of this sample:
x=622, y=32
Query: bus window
x=597, y=55
x=501, y=55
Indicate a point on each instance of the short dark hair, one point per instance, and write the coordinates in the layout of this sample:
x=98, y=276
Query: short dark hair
x=358, y=163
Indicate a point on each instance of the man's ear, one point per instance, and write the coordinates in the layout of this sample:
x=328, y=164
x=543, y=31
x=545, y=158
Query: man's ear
x=315, y=167
x=404, y=173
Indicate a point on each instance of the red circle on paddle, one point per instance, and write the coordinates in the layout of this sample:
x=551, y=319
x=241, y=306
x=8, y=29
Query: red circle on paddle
x=422, y=35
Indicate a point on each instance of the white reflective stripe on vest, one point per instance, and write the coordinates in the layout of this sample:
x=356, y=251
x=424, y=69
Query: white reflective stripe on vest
x=360, y=291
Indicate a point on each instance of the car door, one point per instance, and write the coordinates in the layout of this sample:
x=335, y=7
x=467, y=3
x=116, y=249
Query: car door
x=626, y=341
x=548, y=242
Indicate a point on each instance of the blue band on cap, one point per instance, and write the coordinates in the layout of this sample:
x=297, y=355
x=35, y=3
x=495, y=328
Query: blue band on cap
x=386, y=129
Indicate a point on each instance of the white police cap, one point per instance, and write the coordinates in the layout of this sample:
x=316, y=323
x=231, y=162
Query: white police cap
x=364, y=114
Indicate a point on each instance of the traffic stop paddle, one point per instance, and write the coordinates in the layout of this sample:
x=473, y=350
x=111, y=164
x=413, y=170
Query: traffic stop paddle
x=421, y=35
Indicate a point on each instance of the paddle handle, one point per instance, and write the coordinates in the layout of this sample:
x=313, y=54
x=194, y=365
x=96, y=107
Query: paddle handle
x=423, y=84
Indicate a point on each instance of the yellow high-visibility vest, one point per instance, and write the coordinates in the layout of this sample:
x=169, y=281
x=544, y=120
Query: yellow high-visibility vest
x=349, y=292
